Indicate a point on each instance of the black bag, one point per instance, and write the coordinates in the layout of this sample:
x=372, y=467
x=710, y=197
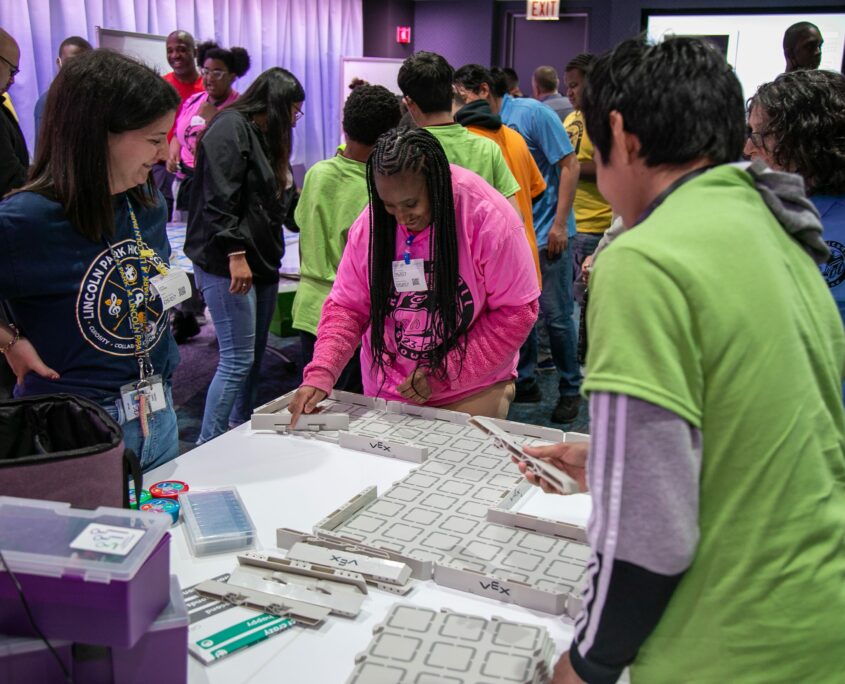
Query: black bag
x=64, y=448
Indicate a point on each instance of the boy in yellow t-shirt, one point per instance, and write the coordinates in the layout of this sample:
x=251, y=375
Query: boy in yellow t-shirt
x=592, y=212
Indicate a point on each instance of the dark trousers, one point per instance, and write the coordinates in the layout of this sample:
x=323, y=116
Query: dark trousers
x=350, y=378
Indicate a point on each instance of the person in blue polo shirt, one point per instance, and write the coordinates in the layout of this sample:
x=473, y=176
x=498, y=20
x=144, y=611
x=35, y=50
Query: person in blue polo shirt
x=554, y=224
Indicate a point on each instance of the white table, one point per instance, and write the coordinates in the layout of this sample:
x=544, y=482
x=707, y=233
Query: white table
x=294, y=482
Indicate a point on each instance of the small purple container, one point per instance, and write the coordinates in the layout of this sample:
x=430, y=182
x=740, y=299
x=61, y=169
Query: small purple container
x=98, y=577
x=29, y=660
x=161, y=655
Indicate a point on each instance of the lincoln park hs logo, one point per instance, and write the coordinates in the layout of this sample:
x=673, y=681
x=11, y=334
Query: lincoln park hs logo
x=102, y=307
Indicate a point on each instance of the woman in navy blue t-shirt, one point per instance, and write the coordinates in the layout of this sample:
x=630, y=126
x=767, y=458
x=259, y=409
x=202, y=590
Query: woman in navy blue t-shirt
x=80, y=243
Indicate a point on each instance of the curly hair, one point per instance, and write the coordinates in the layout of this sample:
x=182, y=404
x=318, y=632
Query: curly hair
x=236, y=59
x=370, y=110
x=805, y=113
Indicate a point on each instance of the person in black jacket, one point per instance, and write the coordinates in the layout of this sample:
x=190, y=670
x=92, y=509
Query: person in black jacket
x=14, y=157
x=14, y=161
x=242, y=184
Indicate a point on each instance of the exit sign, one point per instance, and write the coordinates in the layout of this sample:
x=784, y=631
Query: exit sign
x=403, y=35
x=542, y=10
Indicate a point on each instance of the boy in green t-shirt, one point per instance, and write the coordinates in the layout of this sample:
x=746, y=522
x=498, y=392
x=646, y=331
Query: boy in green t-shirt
x=717, y=457
x=333, y=195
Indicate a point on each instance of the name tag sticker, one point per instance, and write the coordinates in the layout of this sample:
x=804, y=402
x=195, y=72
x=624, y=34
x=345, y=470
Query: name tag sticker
x=172, y=287
x=107, y=539
x=409, y=277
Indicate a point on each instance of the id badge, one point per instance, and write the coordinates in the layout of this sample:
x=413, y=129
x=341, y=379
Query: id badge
x=153, y=388
x=172, y=287
x=409, y=277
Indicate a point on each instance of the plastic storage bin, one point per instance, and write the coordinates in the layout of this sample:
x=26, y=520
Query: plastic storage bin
x=160, y=655
x=98, y=577
x=29, y=660
x=216, y=521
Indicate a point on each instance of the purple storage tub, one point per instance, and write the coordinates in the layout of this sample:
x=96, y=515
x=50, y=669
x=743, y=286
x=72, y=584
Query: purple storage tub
x=98, y=577
x=161, y=655
x=29, y=660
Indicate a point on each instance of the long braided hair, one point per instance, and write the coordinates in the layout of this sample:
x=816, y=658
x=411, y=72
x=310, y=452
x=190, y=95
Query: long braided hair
x=417, y=151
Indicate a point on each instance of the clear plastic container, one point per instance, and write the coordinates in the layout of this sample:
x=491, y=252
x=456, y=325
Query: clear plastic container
x=37, y=538
x=29, y=660
x=99, y=577
x=216, y=521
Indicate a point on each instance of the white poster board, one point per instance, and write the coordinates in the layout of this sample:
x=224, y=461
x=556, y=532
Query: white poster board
x=374, y=70
x=754, y=41
x=146, y=47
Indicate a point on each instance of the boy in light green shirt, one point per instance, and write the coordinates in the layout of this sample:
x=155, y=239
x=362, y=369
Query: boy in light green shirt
x=425, y=80
x=717, y=458
x=333, y=195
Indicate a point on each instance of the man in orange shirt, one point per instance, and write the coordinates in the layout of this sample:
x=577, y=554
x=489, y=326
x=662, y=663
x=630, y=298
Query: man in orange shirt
x=472, y=85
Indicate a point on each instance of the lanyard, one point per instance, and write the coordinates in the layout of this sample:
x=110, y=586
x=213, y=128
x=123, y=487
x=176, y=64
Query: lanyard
x=408, y=242
x=137, y=315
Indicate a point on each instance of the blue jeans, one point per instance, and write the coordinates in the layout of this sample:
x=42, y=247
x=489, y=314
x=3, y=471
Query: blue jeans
x=583, y=245
x=162, y=443
x=556, y=310
x=242, y=323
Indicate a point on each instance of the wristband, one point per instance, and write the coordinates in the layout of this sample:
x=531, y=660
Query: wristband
x=241, y=253
x=15, y=337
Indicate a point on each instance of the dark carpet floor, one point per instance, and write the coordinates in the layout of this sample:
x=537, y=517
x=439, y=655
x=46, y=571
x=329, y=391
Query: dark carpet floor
x=280, y=375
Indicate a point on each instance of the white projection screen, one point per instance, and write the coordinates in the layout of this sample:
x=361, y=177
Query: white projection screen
x=753, y=43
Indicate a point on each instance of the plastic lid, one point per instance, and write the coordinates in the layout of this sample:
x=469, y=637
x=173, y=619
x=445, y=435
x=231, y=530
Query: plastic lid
x=167, y=506
x=109, y=544
x=168, y=489
x=176, y=613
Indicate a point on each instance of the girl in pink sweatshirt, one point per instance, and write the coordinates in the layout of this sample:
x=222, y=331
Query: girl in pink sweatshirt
x=438, y=278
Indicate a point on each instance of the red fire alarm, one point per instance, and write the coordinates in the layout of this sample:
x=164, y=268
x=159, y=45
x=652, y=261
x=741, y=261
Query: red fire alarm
x=403, y=35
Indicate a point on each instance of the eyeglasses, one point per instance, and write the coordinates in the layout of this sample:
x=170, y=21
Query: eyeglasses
x=216, y=74
x=757, y=138
x=297, y=115
x=14, y=67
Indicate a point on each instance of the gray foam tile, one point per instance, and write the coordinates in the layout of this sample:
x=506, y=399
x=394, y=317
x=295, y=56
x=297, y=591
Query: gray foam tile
x=522, y=561
x=365, y=523
x=422, y=516
x=537, y=542
x=439, y=501
x=422, y=480
x=438, y=511
x=455, y=648
x=452, y=487
x=411, y=619
x=403, y=493
x=386, y=508
x=452, y=456
x=461, y=525
x=441, y=541
x=403, y=532
x=498, y=533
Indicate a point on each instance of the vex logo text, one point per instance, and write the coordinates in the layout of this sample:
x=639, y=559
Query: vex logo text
x=380, y=446
x=343, y=562
x=495, y=587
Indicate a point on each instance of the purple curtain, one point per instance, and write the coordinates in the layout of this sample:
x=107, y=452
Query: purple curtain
x=308, y=37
